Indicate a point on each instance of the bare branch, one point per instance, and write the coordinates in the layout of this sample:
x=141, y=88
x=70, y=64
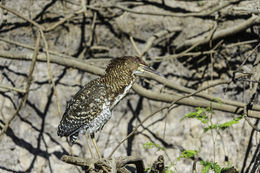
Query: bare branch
x=222, y=33
x=5, y=87
x=96, y=163
x=28, y=84
x=231, y=106
x=194, y=14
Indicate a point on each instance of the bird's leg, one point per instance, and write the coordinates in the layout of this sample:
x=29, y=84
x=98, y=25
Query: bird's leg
x=92, y=135
x=89, y=147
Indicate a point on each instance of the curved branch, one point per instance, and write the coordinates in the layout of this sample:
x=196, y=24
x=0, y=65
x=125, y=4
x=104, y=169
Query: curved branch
x=228, y=106
x=222, y=33
x=192, y=102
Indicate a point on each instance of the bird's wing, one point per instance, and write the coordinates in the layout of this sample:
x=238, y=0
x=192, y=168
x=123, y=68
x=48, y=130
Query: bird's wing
x=83, y=108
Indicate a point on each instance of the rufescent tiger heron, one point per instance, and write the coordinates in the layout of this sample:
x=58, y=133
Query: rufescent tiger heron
x=91, y=107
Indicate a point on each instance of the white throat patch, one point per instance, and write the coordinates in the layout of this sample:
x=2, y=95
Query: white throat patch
x=120, y=96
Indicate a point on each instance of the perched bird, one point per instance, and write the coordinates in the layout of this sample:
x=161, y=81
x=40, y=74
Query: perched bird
x=90, y=108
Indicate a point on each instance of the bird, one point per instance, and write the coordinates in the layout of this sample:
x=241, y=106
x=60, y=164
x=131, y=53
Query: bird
x=91, y=107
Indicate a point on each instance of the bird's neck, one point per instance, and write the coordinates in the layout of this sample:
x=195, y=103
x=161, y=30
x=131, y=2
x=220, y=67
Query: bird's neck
x=118, y=84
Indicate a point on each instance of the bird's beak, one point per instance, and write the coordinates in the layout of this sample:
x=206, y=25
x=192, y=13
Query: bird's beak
x=148, y=69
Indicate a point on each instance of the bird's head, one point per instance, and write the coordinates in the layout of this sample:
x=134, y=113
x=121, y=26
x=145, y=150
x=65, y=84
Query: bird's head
x=128, y=65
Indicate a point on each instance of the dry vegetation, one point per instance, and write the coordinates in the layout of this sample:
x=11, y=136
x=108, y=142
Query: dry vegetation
x=208, y=52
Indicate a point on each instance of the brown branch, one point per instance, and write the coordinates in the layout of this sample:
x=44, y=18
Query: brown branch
x=65, y=19
x=232, y=106
x=65, y=61
x=31, y=47
x=93, y=27
x=5, y=87
x=194, y=14
x=78, y=161
x=183, y=100
x=251, y=124
x=205, y=39
x=183, y=54
x=61, y=55
x=173, y=85
x=208, y=38
x=134, y=45
x=21, y=16
x=120, y=162
x=28, y=84
x=50, y=72
x=150, y=41
x=222, y=33
x=193, y=102
x=256, y=76
x=34, y=57
x=40, y=28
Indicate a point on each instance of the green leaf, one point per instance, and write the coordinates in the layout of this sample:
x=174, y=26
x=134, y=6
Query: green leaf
x=147, y=169
x=206, y=169
x=206, y=166
x=200, y=114
x=169, y=168
x=210, y=165
x=217, y=100
x=230, y=123
x=214, y=126
x=225, y=125
x=188, y=154
x=149, y=145
x=216, y=168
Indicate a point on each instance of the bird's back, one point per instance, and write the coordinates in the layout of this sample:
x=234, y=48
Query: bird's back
x=84, y=108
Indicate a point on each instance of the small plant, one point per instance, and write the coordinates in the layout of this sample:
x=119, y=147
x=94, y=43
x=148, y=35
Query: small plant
x=169, y=169
x=223, y=125
x=147, y=169
x=188, y=154
x=210, y=165
x=204, y=115
x=200, y=114
x=207, y=165
x=149, y=145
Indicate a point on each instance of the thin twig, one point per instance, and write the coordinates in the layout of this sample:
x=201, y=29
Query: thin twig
x=251, y=124
x=242, y=43
x=84, y=8
x=119, y=161
x=136, y=48
x=5, y=87
x=173, y=85
x=256, y=72
x=222, y=33
x=21, y=16
x=150, y=41
x=50, y=72
x=93, y=26
x=29, y=79
x=194, y=14
x=208, y=38
x=40, y=28
x=83, y=65
x=194, y=102
x=28, y=84
x=31, y=47
x=65, y=19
